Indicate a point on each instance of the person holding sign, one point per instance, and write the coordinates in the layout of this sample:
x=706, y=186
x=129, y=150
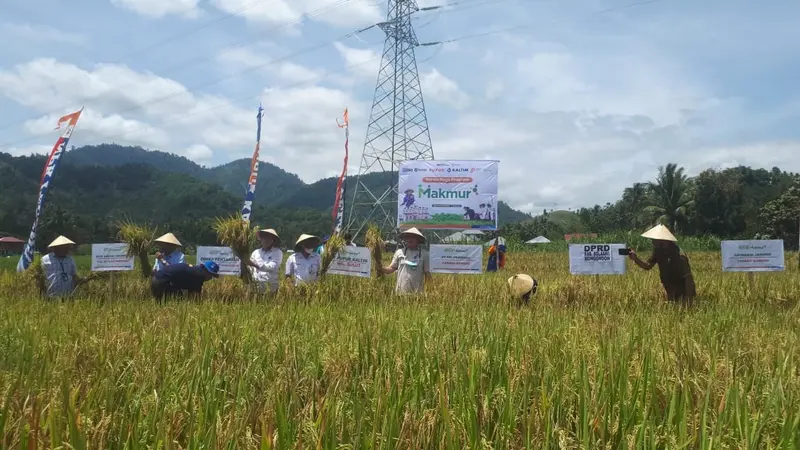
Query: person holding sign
x=60, y=270
x=304, y=264
x=411, y=264
x=676, y=274
x=168, y=252
x=523, y=287
x=265, y=262
x=176, y=278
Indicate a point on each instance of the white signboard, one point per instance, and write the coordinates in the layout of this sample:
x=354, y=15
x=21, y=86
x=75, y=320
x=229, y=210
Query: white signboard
x=447, y=195
x=111, y=258
x=456, y=259
x=228, y=263
x=596, y=259
x=752, y=256
x=353, y=261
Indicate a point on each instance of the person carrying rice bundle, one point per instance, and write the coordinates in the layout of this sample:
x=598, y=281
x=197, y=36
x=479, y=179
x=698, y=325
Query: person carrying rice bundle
x=411, y=263
x=304, y=264
x=60, y=270
x=673, y=267
x=168, y=252
x=265, y=262
x=176, y=278
x=522, y=287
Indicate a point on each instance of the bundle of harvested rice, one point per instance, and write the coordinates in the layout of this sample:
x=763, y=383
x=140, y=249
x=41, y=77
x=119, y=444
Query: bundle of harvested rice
x=139, y=239
x=237, y=234
x=332, y=247
x=34, y=276
x=375, y=244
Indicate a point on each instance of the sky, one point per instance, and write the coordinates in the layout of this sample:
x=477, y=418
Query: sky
x=577, y=99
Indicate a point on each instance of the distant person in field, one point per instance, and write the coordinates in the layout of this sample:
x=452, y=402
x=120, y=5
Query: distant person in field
x=304, y=264
x=265, y=262
x=523, y=287
x=497, y=256
x=321, y=247
x=176, y=278
x=411, y=264
x=168, y=252
x=348, y=240
x=60, y=270
x=676, y=274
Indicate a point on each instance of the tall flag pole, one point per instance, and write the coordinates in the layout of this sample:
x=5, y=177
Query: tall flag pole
x=338, y=203
x=44, y=183
x=250, y=195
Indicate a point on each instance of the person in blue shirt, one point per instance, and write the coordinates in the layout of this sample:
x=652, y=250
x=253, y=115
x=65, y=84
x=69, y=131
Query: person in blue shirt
x=169, y=252
x=176, y=278
x=321, y=248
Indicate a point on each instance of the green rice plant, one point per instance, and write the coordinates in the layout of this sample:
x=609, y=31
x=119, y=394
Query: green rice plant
x=332, y=247
x=375, y=243
x=239, y=235
x=140, y=240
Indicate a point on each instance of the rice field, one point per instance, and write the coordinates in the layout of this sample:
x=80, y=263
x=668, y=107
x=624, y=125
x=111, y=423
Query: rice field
x=594, y=362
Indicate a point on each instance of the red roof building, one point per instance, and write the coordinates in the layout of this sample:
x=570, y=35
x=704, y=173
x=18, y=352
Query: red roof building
x=11, y=246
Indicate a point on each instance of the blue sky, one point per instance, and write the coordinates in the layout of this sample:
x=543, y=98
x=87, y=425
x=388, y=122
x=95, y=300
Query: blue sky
x=579, y=100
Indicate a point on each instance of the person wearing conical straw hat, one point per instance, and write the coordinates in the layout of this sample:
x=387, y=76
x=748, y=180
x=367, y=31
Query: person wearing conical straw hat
x=411, y=263
x=676, y=274
x=168, y=252
x=60, y=270
x=265, y=262
x=304, y=264
x=522, y=287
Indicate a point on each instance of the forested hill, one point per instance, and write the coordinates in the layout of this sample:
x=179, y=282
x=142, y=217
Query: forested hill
x=96, y=185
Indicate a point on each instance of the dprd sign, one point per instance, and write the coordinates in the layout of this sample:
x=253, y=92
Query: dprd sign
x=596, y=259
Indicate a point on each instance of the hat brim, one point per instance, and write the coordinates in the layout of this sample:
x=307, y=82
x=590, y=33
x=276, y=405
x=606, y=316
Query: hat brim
x=315, y=240
x=270, y=234
x=405, y=234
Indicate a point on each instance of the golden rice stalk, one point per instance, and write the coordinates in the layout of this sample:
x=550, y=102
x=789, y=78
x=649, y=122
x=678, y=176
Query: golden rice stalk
x=237, y=234
x=375, y=244
x=34, y=276
x=139, y=239
x=332, y=247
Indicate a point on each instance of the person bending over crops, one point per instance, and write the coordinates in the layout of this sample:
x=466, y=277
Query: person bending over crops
x=176, y=278
x=676, y=274
x=411, y=263
x=523, y=287
x=265, y=262
x=168, y=252
x=60, y=270
x=304, y=264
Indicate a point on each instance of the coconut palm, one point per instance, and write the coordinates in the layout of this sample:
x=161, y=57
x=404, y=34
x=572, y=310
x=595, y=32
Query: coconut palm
x=633, y=200
x=669, y=197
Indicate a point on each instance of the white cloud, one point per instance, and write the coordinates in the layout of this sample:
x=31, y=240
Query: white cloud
x=442, y=89
x=41, y=33
x=198, y=153
x=363, y=62
x=251, y=58
x=290, y=12
x=160, y=8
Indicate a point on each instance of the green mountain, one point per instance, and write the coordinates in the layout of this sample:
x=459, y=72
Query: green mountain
x=97, y=185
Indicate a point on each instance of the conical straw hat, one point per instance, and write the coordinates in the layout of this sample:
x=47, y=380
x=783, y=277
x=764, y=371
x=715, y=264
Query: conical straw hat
x=305, y=237
x=520, y=284
x=169, y=238
x=659, y=232
x=412, y=232
x=60, y=241
x=272, y=233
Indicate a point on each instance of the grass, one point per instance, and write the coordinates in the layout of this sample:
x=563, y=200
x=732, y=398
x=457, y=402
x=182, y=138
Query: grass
x=593, y=363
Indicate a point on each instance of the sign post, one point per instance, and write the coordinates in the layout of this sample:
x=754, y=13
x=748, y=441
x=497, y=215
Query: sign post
x=461, y=259
x=751, y=257
x=352, y=261
x=228, y=262
x=596, y=259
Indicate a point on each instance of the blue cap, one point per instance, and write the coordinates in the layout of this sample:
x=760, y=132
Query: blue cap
x=325, y=239
x=211, y=267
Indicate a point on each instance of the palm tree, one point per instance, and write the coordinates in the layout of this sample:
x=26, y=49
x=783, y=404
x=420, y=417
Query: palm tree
x=669, y=197
x=633, y=200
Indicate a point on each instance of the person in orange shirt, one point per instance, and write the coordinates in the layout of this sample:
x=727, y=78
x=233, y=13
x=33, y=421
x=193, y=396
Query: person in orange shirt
x=497, y=256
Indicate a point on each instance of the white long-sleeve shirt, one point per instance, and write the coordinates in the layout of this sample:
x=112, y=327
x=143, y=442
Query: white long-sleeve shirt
x=59, y=274
x=267, y=274
x=305, y=269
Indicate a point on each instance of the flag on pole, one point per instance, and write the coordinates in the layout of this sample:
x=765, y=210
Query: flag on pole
x=338, y=203
x=44, y=184
x=250, y=195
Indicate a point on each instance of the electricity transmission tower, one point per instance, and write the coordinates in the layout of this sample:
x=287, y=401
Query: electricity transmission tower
x=398, y=125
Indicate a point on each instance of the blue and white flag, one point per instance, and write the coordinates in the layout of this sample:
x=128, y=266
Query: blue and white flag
x=250, y=195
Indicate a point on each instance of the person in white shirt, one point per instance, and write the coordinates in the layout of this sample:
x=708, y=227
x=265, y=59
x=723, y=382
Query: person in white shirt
x=348, y=240
x=304, y=264
x=168, y=252
x=265, y=262
x=411, y=264
x=60, y=270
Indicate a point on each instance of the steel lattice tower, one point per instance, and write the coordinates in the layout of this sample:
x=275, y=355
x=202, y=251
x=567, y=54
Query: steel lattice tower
x=398, y=125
